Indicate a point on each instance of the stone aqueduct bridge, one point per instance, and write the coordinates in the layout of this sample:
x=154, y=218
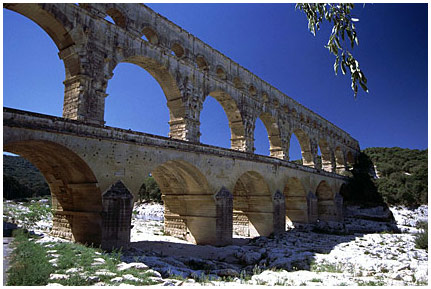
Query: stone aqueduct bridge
x=207, y=191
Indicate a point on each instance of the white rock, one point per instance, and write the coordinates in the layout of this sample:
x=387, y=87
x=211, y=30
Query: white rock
x=130, y=277
x=104, y=272
x=54, y=284
x=125, y=266
x=117, y=280
x=154, y=273
x=58, y=277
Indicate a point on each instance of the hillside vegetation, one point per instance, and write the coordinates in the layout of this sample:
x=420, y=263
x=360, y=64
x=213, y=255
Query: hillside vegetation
x=21, y=179
x=402, y=174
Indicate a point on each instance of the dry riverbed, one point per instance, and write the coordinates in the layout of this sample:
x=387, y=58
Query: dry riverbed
x=297, y=257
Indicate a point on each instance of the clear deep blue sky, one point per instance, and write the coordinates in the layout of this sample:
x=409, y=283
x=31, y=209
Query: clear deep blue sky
x=273, y=42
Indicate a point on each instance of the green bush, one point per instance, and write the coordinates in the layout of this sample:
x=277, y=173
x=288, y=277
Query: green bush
x=422, y=237
x=150, y=191
x=29, y=263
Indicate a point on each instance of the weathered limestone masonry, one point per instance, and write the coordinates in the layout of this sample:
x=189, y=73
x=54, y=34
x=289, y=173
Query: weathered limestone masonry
x=199, y=183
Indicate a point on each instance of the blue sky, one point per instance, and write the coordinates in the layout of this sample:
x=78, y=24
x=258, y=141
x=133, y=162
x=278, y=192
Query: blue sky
x=273, y=42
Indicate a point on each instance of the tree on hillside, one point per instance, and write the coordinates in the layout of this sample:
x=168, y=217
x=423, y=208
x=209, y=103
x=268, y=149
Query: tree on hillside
x=343, y=24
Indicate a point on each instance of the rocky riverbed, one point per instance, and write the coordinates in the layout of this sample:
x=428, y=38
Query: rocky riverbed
x=363, y=251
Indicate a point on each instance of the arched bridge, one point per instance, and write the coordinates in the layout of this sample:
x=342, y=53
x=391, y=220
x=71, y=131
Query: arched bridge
x=208, y=191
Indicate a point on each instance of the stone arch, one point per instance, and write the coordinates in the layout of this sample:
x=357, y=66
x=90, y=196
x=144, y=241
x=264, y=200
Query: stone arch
x=190, y=209
x=304, y=142
x=237, y=82
x=274, y=136
x=325, y=155
x=233, y=114
x=202, y=63
x=296, y=201
x=166, y=81
x=177, y=49
x=252, y=206
x=150, y=34
x=326, y=209
x=221, y=73
x=117, y=16
x=252, y=90
x=76, y=196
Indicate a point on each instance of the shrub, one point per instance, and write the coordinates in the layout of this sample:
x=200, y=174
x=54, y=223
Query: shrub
x=422, y=237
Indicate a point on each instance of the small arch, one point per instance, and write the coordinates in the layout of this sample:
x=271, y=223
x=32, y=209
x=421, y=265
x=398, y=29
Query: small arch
x=252, y=90
x=151, y=35
x=326, y=209
x=252, y=206
x=296, y=202
x=117, y=16
x=178, y=49
x=188, y=205
x=265, y=96
x=237, y=82
x=69, y=178
x=201, y=62
x=221, y=73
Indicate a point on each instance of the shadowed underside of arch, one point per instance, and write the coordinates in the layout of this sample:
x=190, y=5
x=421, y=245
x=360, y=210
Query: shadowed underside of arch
x=275, y=145
x=190, y=210
x=234, y=117
x=252, y=206
x=339, y=160
x=326, y=155
x=76, y=197
x=296, y=201
x=304, y=142
x=326, y=209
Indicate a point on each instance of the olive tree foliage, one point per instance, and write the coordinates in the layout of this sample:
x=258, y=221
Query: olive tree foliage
x=343, y=24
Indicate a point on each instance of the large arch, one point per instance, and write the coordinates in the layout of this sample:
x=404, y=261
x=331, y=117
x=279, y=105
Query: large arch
x=76, y=197
x=304, y=141
x=233, y=115
x=252, y=206
x=296, y=201
x=165, y=79
x=59, y=29
x=190, y=210
x=273, y=130
x=326, y=209
x=136, y=101
x=52, y=22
